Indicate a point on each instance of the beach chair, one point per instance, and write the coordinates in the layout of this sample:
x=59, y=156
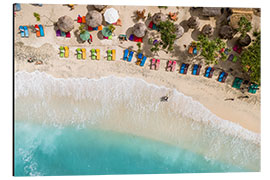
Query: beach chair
x=131, y=37
x=130, y=56
x=169, y=66
x=79, y=19
x=79, y=53
x=222, y=76
x=98, y=54
x=253, y=88
x=182, y=68
x=83, y=20
x=66, y=51
x=153, y=64
x=58, y=32
x=125, y=54
x=113, y=54
x=143, y=61
x=157, y=64
x=195, y=51
x=62, y=51
x=68, y=35
x=190, y=50
x=100, y=28
x=140, y=55
x=42, y=34
x=21, y=31
x=209, y=72
x=199, y=69
x=26, y=33
x=37, y=30
x=63, y=34
x=234, y=59
x=93, y=54
x=83, y=53
x=230, y=58
x=237, y=83
x=109, y=55
x=173, y=66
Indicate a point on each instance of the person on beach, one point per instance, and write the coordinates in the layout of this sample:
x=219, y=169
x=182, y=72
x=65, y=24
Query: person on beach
x=231, y=99
x=164, y=98
x=242, y=97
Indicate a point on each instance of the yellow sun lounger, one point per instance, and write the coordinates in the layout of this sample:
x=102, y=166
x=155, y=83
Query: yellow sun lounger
x=98, y=54
x=83, y=53
x=113, y=54
x=66, y=51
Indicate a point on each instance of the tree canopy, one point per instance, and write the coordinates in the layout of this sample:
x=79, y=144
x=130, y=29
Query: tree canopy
x=244, y=26
x=210, y=49
x=167, y=31
x=251, y=59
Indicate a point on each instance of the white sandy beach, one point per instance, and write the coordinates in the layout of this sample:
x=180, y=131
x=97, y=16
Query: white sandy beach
x=208, y=92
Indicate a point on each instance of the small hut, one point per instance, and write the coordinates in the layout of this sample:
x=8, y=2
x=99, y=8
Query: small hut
x=245, y=41
x=65, y=23
x=93, y=18
x=193, y=22
x=179, y=31
x=211, y=11
x=226, y=32
x=207, y=30
x=99, y=7
x=237, y=13
x=159, y=17
x=139, y=30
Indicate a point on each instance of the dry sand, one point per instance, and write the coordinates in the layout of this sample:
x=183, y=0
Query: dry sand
x=209, y=92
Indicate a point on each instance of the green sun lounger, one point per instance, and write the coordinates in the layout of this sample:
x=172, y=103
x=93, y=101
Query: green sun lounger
x=62, y=51
x=93, y=54
x=237, y=83
x=79, y=53
x=234, y=59
x=253, y=88
x=109, y=55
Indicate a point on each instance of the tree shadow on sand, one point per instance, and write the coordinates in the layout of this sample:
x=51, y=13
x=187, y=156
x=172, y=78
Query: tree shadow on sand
x=90, y=7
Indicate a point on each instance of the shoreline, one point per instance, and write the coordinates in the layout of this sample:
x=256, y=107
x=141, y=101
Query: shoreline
x=209, y=92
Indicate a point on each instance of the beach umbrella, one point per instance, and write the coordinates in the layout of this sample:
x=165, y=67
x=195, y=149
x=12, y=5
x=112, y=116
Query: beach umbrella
x=226, y=32
x=139, y=29
x=65, y=23
x=179, y=31
x=211, y=11
x=207, y=30
x=193, y=22
x=111, y=15
x=245, y=41
x=99, y=7
x=159, y=17
x=106, y=31
x=93, y=18
x=85, y=36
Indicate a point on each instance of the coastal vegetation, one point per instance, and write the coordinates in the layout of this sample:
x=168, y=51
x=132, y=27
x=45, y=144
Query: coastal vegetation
x=251, y=57
x=37, y=16
x=210, y=49
x=244, y=26
x=167, y=32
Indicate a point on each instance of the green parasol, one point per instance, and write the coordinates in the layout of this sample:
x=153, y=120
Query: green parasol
x=106, y=31
x=85, y=36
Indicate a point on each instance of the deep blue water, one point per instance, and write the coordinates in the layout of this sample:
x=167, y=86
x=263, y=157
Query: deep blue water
x=47, y=150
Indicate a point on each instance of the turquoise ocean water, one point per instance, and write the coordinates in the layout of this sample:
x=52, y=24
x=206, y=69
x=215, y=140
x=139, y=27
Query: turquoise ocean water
x=77, y=127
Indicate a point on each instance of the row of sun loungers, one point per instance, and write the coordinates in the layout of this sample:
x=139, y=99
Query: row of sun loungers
x=252, y=87
x=38, y=28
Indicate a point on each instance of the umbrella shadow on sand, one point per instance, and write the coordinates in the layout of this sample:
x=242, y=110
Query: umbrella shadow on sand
x=90, y=7
x=100, y=35
x=129, y=31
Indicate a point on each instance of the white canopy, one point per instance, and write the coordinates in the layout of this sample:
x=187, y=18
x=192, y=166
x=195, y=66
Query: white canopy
x=111, y=15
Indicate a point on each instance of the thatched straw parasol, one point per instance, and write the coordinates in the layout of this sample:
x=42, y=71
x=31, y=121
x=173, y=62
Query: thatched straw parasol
x=93, y=18
x=65, y=23
x=226, y=32
x=159, y=17
x=179, y=31
x=207, y=30
x=211, y=11
x=99, y=7
x=193, y=22
x=245, y=41
x=139, y=29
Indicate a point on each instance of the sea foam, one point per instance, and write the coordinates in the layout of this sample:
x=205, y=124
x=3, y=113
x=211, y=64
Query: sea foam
x=132, y=105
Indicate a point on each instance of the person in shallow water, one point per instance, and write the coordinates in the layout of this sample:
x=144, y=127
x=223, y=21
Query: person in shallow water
x=164, y=98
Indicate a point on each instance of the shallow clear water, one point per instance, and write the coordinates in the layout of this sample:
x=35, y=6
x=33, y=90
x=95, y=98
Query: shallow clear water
x=87, y=126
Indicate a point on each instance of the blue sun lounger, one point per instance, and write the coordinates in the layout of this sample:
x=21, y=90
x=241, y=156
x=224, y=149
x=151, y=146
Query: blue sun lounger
x=21, y=31
x=143, y=61
x=125, y=54
x=26, y=33
x=221, y=76
x=140, y=55
x=130, y=56
x=209, y=72
x=41, y=30
x=195, y=68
